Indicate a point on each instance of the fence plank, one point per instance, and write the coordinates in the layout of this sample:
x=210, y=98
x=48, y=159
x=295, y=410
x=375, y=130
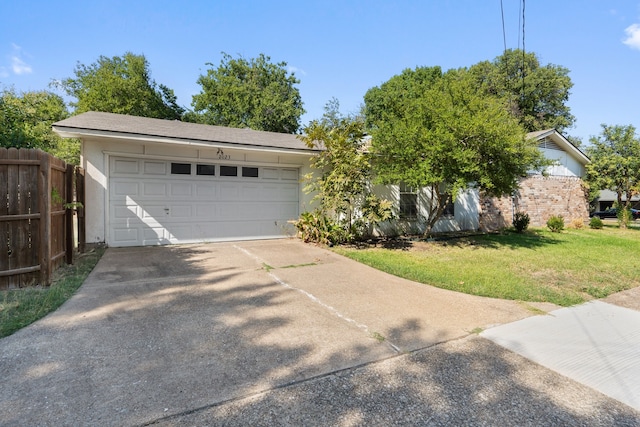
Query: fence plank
x=36, y=230
x=80, y=197
x=69, y=178
x=44, y=192
x=4, y=211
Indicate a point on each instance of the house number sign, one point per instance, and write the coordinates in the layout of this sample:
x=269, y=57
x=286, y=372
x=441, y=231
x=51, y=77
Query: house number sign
x=222, y=156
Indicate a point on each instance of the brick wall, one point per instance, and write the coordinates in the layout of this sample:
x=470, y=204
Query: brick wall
x=539, y=196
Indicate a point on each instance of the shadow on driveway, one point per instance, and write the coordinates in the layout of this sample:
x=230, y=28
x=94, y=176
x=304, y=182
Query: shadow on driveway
x=220, y=333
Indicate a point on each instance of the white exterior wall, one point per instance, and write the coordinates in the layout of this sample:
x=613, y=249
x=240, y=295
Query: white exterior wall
x=466, y=213
x=566, y=164
x=97, y=151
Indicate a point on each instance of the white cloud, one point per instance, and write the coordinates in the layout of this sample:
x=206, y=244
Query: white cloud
x=19, y=66
x=633, y=36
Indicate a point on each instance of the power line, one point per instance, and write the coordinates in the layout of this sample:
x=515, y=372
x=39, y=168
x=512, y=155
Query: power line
x=523, y=49
x=504, y=33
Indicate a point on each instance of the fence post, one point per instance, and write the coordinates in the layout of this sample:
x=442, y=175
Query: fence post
x=44, y=190
x=69, y=243
x=82, y=235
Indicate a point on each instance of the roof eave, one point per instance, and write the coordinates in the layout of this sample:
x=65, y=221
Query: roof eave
x=73, y=132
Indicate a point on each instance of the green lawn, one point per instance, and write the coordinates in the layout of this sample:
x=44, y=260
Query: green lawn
x=21, y=307
x=563, y=268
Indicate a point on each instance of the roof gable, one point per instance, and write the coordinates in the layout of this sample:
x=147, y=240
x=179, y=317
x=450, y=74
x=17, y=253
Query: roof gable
x=555, y=140
x=124, y=126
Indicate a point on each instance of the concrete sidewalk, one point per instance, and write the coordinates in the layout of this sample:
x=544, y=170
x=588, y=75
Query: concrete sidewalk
x=276, y=332
x=596, y=344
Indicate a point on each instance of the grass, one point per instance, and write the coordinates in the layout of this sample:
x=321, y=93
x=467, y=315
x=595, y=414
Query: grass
x=21, y=307
x=538, y=266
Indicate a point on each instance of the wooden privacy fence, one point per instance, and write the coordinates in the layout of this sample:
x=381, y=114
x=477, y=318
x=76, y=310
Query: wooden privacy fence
x=37, y=201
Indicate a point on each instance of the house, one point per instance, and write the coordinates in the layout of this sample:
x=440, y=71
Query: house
x=607, y=198
x=557, y=191
x=153, y=182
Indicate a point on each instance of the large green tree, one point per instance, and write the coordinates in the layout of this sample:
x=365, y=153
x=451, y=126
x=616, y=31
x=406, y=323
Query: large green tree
x=615, y=164
x=434, y=130
x=121, y=85
x=254, y=93
x=26, y=119
x=536, y=94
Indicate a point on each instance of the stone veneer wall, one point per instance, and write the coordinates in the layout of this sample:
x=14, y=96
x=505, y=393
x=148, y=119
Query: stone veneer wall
x=539, y=196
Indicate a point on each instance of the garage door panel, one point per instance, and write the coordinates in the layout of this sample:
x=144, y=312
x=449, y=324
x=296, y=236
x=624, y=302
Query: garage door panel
x=120, y=188
x=125, y=166
x=124, y=212
x=154, y=189
x=180, y=211
x=250, y=192
x=150, y=206
x=181, y=189
x=207, y=210
x=155, y=168
x=229, y=191
x=125, y=236
x=206, y=190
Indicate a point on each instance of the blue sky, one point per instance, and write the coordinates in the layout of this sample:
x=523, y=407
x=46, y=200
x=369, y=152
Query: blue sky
x=336, y=48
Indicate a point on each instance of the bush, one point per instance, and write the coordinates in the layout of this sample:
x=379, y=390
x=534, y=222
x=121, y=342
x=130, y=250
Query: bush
x=317, y=227
x=625, y=217
x=520, y=221
x=596, y=223
x=577, y=223
x=556, y=223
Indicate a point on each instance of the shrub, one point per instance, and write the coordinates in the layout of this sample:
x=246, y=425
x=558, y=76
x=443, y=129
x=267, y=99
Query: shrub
x=556, y=223
x=596, y=223
x=520, y=221
x=577, y=223
x=624, y=215
x=317, y=227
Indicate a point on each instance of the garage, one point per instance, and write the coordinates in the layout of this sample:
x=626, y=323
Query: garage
x=158, y=182
x=155, y=202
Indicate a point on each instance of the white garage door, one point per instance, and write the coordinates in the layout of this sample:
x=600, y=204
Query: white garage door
x=154, y=202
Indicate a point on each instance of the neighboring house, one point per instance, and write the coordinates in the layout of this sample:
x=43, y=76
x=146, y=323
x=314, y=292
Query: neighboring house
x=607, y=198
x=152, y=182
x=559, y=191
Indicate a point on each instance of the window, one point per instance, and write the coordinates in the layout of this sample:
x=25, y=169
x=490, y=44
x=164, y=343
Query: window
x=228, y=171
x=181, y=168
x=449, y=210
x=250, y=172
x=205, y=170
x=408, y=202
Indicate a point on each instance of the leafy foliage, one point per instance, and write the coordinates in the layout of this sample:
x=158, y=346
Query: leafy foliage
x=596, y=223
x=121, y=85
x=342, y=173
x=318, y=227
x=535, y=94
x=254, y=93
x=26, y=119
x=555, y=223
x=615, y=164
x=433, y=129
x=520, y=221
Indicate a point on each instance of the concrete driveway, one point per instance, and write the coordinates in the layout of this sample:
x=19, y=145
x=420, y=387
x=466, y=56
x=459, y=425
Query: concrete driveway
x=276, y=332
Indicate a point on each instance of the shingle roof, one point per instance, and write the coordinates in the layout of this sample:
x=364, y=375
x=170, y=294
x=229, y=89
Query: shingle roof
x=123, y=125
